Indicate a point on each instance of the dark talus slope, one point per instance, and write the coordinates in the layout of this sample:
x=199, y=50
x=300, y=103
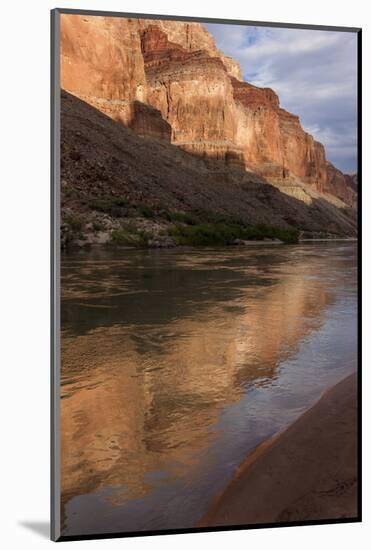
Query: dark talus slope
x=196, y=98
x=142, y=180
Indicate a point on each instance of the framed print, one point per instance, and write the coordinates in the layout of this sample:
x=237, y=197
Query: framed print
x=206, y=194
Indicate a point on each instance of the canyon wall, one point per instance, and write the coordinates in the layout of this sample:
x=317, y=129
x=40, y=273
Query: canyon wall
x=167, y=80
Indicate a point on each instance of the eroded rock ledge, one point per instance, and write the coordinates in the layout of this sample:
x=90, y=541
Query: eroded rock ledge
x=167, y=80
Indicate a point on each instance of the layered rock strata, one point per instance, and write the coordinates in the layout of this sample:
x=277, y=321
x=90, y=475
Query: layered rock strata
x=167, y=80
x=100, y=158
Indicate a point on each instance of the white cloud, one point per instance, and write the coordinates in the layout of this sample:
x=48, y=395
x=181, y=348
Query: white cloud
x=314, y=74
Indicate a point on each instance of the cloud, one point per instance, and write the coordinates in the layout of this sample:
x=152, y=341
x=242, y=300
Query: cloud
x=314, y=74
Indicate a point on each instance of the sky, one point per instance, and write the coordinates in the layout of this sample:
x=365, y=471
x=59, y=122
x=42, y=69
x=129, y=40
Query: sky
x=314, y=74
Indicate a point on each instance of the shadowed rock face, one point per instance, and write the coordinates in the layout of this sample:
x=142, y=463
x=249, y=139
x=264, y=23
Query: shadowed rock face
x=168, y=81
x=335, y=184
x=352, y=180
x=100, y=158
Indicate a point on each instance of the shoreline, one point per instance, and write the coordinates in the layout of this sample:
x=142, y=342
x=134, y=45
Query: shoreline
x=307, y=472
x=342, y=239
x=89, y=247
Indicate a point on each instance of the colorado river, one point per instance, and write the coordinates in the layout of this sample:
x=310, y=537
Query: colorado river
x=177, y=363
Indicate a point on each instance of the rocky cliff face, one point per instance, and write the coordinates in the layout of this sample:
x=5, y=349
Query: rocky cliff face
x=194, y=37
x=112, y=180
x=193, y=92
x=167, y=80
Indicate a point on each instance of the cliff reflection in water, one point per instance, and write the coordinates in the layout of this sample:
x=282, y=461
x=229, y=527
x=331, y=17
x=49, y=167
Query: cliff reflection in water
x=157, y=346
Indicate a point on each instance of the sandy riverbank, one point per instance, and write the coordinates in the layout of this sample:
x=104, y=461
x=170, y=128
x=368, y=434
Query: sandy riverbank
x=309, y=472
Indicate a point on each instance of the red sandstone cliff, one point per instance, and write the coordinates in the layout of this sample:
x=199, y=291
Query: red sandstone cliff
x=167, y=80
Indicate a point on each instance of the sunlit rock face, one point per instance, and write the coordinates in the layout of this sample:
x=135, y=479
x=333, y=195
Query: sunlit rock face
x=194, y=94
x=167, y=80
x=101, y=59
x=102, y=63
x=194, y=37
x=275, y=146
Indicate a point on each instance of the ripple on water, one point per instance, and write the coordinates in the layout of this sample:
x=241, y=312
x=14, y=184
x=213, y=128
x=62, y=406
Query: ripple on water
x=176, y=364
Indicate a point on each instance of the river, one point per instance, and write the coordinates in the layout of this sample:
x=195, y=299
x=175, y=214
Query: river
x=178, y=363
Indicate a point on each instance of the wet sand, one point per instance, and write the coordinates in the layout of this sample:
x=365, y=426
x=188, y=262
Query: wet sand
x=309, y=472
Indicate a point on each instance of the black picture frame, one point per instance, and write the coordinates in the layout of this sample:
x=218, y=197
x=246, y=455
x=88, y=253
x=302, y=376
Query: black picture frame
x=55, y=272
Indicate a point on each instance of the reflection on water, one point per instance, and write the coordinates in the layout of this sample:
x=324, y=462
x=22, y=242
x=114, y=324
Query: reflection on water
x=176, y=364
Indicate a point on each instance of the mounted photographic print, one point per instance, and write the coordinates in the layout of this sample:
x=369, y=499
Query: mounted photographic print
x=205, y=287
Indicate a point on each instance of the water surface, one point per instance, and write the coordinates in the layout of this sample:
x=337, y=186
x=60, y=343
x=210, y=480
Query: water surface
x=177, y=363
